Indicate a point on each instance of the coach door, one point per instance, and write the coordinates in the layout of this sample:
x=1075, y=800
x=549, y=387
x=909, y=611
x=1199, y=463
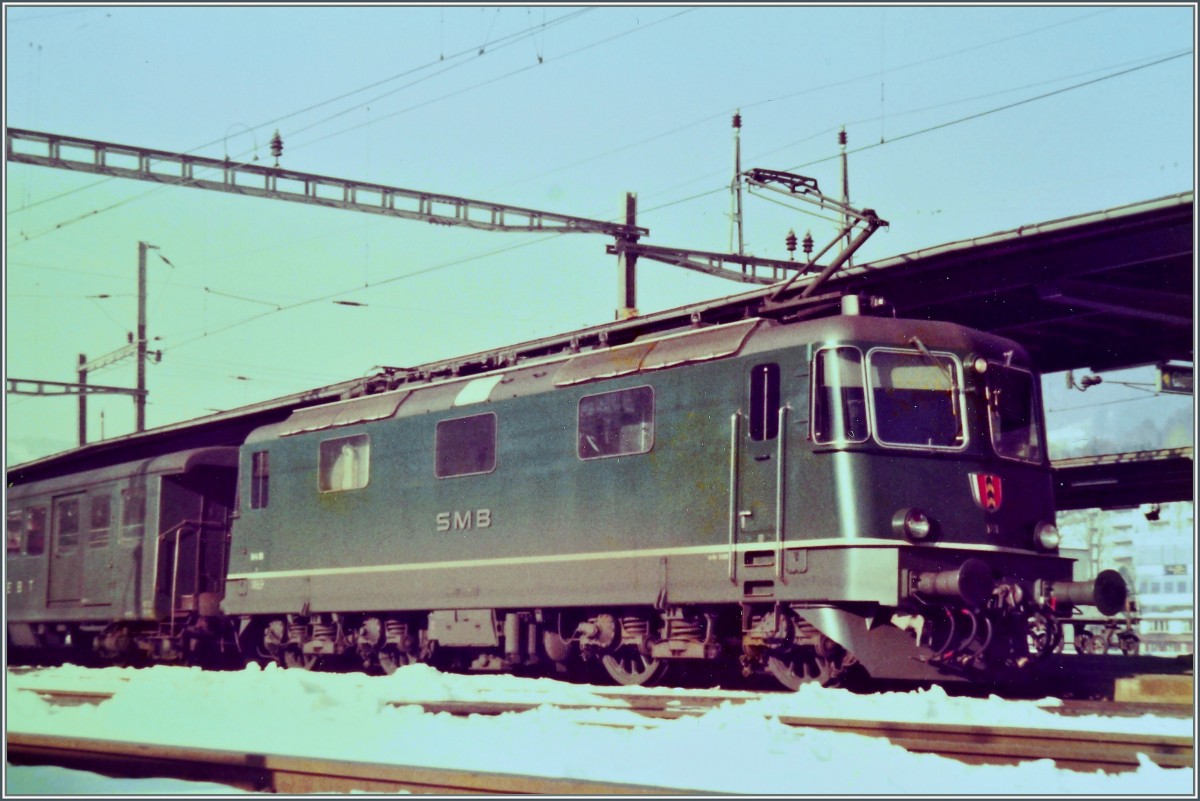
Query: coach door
x=194, y=522
x=66, y=555
x=757, y=472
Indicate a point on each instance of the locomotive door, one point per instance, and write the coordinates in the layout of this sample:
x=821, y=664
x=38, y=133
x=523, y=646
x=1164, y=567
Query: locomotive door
x=757, y=466
x=66, y=555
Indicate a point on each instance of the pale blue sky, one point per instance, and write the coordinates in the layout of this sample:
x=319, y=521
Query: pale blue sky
x=622, y=99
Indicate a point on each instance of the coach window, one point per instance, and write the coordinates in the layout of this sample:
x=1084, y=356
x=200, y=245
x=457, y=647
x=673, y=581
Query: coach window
x=35, y=530
x=616, y=423
x=839, y=405
x=764, y=402
x=344, y=464
x=67, y=514
x=15, y=520
x=260, y=479
x=465, y=446
x=133, y=514
x=100, y=521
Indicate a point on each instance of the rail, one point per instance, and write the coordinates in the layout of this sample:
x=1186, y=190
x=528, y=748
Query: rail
x=292, y=775
x=974, y=744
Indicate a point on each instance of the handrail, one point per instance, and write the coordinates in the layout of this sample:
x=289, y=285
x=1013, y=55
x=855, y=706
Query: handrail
x=734, y=490
x=201, y=524
x=781, y=491
x=177, y=530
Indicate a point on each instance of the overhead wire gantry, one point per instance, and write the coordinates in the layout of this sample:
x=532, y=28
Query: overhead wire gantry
x=98, y=157
x=163, y=167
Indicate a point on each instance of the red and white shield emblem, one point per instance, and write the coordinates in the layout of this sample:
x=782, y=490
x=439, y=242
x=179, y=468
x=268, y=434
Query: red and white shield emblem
x=985, y=489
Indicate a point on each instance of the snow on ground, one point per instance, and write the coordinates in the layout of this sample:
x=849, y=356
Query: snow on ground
x=734, y=748
x=21, y=780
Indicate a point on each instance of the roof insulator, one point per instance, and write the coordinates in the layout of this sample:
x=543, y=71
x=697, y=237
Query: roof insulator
x=276, y=146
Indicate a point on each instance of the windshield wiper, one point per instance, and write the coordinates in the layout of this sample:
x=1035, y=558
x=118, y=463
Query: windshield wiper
x=934, y=361
x=951, y=387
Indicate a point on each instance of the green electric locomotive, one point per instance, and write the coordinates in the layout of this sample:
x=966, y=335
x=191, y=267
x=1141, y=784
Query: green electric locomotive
x=813, y=499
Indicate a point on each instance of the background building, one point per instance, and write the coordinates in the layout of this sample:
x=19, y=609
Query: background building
x=1153, y=548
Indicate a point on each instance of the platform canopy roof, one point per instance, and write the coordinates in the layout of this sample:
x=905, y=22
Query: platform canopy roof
x=1103, y=290
x=1122, y=480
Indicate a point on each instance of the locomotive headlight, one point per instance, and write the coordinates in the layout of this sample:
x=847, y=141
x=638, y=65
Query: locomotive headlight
x=979, y=364
x=912, y=523
x=1046, y=535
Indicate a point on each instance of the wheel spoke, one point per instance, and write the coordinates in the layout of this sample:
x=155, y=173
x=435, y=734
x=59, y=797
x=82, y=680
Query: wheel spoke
x=629, y=666
x=392, y=659
x=799, y=667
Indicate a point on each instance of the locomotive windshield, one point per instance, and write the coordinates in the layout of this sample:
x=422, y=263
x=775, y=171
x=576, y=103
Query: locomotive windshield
x=1012, y=413
x=916, y=398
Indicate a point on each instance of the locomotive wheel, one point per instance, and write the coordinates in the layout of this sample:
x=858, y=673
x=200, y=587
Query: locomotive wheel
x=802, y=666
x=629, y=666
x=293, y=657
x=392, y=659
x=1043, y=634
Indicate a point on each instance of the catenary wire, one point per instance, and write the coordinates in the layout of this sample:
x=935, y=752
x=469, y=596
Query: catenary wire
x=808, y=90
x=490, y=81
x=94, y=212
x=516, y=37
x=939, y=126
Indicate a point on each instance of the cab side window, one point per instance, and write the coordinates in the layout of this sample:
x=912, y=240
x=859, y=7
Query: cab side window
x=764, y=402
x=839, y=406
x=260, y=479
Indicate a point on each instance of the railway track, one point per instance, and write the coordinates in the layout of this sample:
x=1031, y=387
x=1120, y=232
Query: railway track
x=289, y=774
x=974, y=744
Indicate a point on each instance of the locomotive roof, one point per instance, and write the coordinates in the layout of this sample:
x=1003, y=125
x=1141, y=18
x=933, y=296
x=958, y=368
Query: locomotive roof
x=643, y=355
x=933, y=334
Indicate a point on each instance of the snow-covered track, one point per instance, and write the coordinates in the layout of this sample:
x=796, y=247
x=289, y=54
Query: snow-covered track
x=1073, y=749
x=289, y=774
x=975, y=744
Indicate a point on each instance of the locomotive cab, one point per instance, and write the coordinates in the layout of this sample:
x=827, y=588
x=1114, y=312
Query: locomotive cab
x=930, y=438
